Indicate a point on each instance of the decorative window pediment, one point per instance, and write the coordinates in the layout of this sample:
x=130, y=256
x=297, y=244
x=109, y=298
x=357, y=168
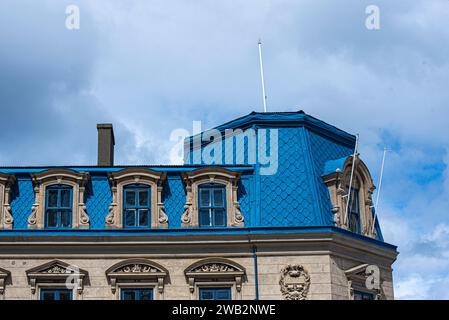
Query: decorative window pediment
x=212, y=271
x=4, y=274
x=6, y=218
x=57, y=272
x=212, y=176
x=137, y=176
x=75, y=180
x=338, y=185
x=136, y=272
x=357, y=282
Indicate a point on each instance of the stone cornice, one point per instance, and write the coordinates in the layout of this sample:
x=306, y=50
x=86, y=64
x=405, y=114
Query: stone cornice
x=334, y=243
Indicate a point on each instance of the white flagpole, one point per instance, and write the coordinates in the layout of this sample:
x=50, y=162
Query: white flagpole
x=262, y=78
x=378, y=190
x=348, y=198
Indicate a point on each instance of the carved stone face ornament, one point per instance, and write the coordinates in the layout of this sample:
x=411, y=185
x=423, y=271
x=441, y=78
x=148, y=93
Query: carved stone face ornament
x=295, y=282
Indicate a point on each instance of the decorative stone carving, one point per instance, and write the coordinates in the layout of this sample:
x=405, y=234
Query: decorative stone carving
x=6, y=183
x=137, y=268
x=76, y=180
x=338, y=182
x=294, y=282
x=135, y=271
x=162, y=216
x=229, y=179
x=214, y=267
x=153, y=179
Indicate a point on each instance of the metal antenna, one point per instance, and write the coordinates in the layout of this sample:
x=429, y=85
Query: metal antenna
x=261, y=76
x=378, y=190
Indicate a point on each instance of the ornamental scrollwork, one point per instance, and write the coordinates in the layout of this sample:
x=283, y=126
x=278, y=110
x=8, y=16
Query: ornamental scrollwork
x=136, y=268
x=294, y=282
x=214, y=267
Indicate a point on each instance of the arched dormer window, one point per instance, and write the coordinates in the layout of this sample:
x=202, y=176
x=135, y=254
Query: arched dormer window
x=59, y=200
x=6, y=218
x=357, y=215
x=211, y=198
x=136, y=199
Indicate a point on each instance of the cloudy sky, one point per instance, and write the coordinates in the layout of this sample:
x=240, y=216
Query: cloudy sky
x=151, y=67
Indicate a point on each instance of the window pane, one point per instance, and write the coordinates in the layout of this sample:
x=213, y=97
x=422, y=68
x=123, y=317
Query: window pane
x=204, y=218
x=143, y=217
x=204, y=198
x=146, y=294
x=354, y=223
x=47, y=295
x=223, y=294
x=130, y=198
x=354, y=205
x=219, y=218
x=130, y=218
x=143, y=198
x=52, y=201
x=129, y=295
x=65, y=218
x=52, y=218
x=65, y=295
x=65, y=198
x=218, y=198
x=206, y=294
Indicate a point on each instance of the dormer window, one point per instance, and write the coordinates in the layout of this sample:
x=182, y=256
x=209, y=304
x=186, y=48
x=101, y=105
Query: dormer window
x=137, y=206
x=212, y=207
x=136, y=199
x=357, y=215
x=59, y=200
x=58, y=211
x=211, y=198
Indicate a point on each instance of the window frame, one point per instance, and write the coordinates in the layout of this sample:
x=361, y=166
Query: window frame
x=211, y=188
x=228, y=289
x=136, y=289
x=363, y=294
x=58, y=208
x=137, y=188
x=54, y=290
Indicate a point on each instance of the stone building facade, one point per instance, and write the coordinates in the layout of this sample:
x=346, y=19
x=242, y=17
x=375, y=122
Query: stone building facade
x=264, y=213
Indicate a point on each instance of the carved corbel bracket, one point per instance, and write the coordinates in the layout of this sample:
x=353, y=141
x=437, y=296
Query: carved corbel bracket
x=6, y=218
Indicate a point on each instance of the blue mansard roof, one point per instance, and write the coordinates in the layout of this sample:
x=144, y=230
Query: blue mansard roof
x=294, y=196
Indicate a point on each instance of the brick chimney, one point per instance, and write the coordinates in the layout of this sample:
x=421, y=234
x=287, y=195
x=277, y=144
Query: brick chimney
x=106, y=144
